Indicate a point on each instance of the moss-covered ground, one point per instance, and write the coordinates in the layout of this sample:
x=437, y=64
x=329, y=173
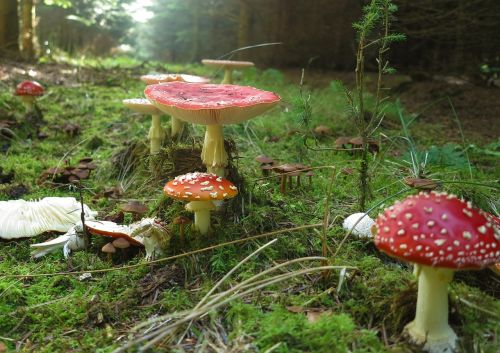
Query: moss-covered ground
x=363, y=309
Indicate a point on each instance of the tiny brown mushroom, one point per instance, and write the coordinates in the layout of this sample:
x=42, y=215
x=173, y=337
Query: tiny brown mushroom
x=265, y=169
x=265, y=163
x=121, y=243
x=322, y=131
x=342, y=142
x=263, y=159
x=181, y=221
x=136, y=208
x=283, y=170
x=109, y=249
x=420, y=183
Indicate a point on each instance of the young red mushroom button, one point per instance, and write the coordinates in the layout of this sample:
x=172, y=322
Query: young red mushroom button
x=440, y=234
x=201, y=189
x=214, y=106
x=28, y=91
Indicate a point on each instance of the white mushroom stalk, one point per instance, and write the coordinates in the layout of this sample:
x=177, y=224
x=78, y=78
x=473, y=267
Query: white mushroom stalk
x=213, y=154
x=201, y=210
x=20, y=218
x=156, y=133
x=430, y=327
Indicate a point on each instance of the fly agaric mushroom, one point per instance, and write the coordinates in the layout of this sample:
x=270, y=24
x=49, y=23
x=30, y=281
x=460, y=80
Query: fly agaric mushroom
x=214, y=106
x=228, y=66
x=177, y=125
x=28, y=91
x=201, y=189
x=441, y=234
x=156, y=132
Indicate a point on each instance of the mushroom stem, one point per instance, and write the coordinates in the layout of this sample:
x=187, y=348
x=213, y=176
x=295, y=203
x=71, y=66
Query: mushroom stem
x=181, y=233
x=228, y=76
x=214, y=154
x=156, y=134
x=28, y=102
x=177, y=127
x=430, y=327
x=201, y=211
x=283, y=184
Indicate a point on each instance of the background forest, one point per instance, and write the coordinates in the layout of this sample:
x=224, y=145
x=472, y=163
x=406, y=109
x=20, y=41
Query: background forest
x=447, y=35
x=369, y=102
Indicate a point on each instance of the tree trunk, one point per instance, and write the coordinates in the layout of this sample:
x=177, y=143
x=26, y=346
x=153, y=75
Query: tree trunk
x=243, y=24
x=9, y=26
x=27, y=29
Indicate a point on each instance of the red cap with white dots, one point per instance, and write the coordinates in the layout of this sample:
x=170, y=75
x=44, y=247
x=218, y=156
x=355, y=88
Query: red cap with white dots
x=200, y=187
x=438, y=229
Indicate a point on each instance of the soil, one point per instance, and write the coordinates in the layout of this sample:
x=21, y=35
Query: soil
x=477, y=106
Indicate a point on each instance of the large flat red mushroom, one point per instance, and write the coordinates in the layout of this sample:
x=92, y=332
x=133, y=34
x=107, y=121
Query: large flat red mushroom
x=214, y=106
x=151, y=79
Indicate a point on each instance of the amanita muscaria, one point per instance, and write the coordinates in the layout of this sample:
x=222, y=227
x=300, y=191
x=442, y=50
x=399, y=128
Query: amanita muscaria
x=177, y=125
x=200, y=189
x=214, y=106
x=441, y=234
x=28, y=91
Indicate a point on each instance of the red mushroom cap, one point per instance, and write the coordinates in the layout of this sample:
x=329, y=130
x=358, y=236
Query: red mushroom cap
x=437, y=229
x=29, y=88
x=200, y=187
x=210, y=104
x=112, y=230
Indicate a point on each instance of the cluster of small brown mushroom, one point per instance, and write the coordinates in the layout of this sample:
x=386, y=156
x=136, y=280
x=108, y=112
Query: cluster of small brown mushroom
x=110, y=248
x=356, y=143
x=287, y=172
x=69, y=174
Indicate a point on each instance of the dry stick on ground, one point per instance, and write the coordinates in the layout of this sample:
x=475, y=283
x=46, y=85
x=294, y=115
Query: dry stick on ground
x=237, y=241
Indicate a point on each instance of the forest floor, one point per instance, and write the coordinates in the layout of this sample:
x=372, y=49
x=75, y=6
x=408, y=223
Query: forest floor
x=361, y=308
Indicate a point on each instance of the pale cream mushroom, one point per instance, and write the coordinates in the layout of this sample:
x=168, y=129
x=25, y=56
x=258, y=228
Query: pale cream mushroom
x=156, y=132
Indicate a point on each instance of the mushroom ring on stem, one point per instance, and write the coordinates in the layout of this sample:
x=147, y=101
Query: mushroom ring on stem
x=177, y=125
x=201, y=189
x=440, y=234
x=214, y=106
x=156, y=132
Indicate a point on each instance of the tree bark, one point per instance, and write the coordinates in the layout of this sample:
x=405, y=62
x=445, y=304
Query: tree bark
x=27, y=29
x=9, y=26
x=243, y=24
